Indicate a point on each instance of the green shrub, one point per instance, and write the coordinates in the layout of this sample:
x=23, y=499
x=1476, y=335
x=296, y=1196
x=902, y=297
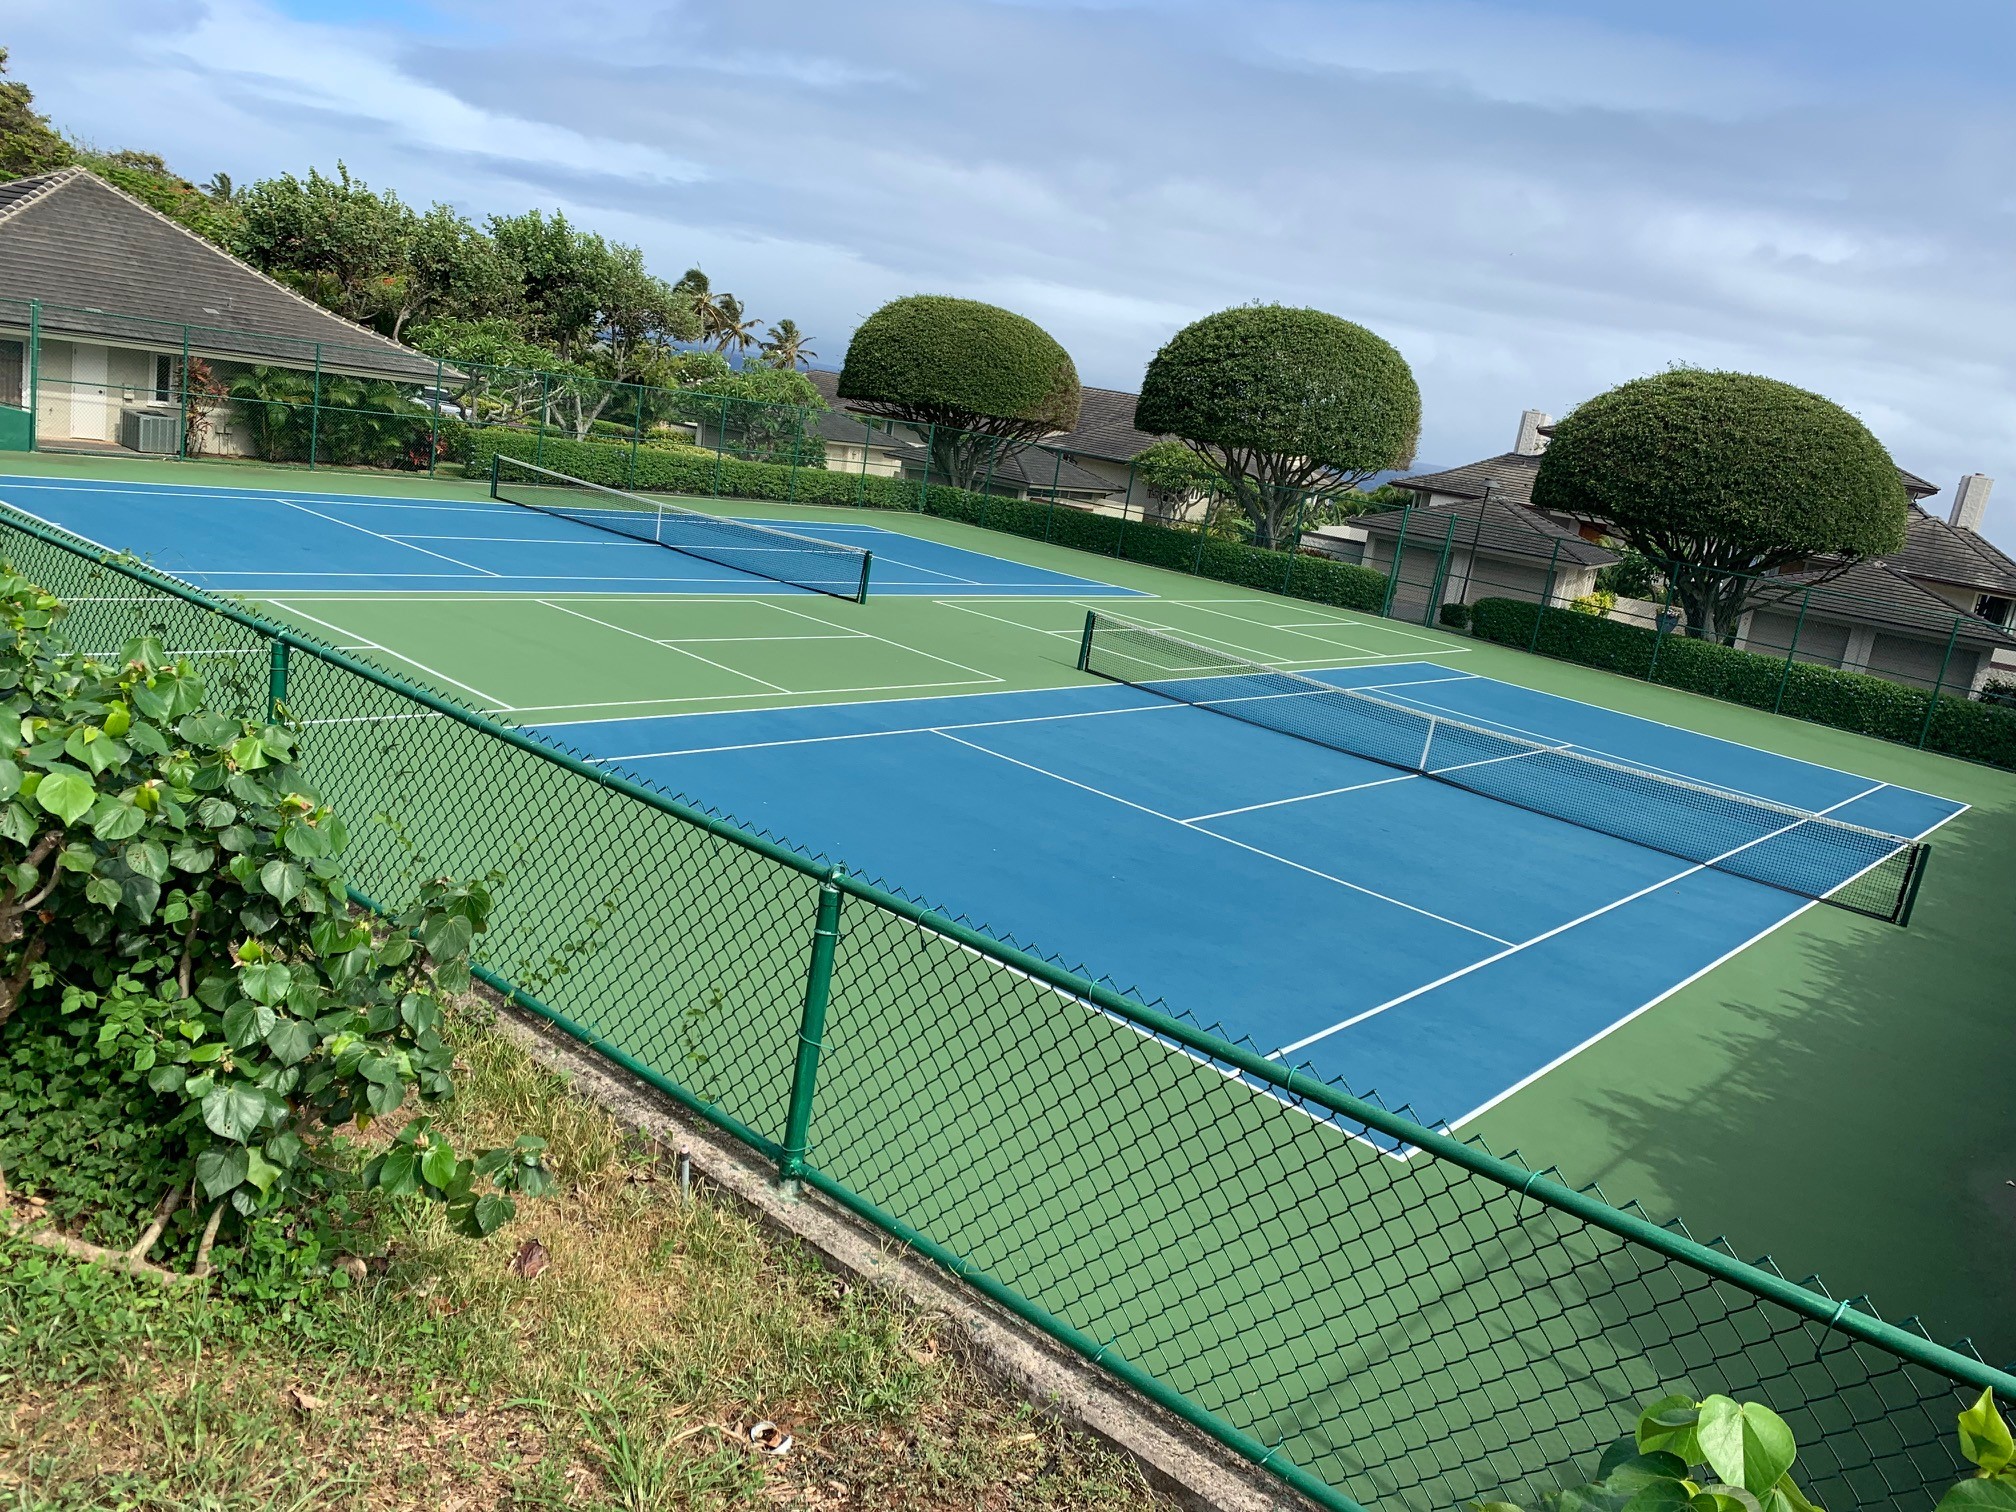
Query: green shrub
x=1456, y=616
x=695, y=470
x=187, y=1004
x=1855, y=701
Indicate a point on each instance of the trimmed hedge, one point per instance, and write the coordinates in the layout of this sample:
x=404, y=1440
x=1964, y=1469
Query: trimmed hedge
x=693, y=470
x=1825, y=695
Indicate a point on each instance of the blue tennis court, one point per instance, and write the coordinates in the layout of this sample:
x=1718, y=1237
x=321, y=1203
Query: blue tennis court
x=256, y=543
x=1429, y=944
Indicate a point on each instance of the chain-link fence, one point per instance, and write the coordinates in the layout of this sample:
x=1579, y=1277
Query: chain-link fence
x=1236, y=1240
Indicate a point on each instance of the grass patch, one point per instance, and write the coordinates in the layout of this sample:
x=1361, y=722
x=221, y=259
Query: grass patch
x=625, y=1374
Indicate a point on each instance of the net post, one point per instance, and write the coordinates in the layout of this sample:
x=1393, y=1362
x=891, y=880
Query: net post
x=1945, y=666
x=1792, y=650
x=861, y=593
x=276, y=681
x=1085, y=641
x=1920, y=855
x=1393, y=566
x=496, y=458
x=811, y=1034
x=1546, y=598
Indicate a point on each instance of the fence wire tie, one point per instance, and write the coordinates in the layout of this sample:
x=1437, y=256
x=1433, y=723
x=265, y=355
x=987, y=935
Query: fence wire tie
x=1104, y=1347
x=1832, y=1324
x=1279, y=1440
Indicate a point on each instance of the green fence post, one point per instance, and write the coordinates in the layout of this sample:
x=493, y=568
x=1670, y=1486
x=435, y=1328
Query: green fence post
x=1945, y=665
x=1120, y=535
x=800, y=418
x=1546, y=597
x=434, y=432
x=545, y=408
x=636, y=438
x=1798, y=625
x=720, y=440
x=987, y=483
x=1661, y=630
x=182, y=388
x=924, y=486
x=1393, y=567
x=1204, y=532
x=1294, y=543
x=35, y=368
x=1442, y=571
x=276, y=681
x=315, y=409
x=1050, y=514
x=811, y=1033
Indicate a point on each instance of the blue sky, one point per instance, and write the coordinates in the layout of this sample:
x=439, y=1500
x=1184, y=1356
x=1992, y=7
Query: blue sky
x=1533, y=199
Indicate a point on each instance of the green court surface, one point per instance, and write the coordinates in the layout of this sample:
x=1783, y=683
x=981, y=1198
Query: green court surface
x=1836, y=1095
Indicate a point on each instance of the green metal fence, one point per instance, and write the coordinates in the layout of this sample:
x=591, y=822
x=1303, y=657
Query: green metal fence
x=1378, y=1313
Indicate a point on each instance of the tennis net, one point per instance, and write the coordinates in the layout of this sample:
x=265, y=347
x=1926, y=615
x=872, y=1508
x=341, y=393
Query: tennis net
x=783, y=556
x=1863, y=870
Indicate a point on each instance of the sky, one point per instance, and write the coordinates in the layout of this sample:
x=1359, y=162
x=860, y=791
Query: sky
x=1533, y=200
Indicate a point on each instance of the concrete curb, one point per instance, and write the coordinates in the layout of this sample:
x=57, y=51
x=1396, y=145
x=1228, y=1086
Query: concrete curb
x=1178, y=1460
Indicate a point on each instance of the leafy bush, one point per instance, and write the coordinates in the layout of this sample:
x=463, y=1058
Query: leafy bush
x=179, y=962
x=692, y=470
x=1456, y=616
x=1599, y=604
x=1712, y=1455
x=1825, y=695
x=949, y=361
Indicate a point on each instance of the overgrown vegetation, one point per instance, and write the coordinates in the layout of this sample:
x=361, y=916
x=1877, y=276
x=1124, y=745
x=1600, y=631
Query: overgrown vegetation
x=616, y=1358
x=189, y=1011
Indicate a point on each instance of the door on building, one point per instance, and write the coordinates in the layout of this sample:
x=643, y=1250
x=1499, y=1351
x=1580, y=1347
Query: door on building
x=92, y=405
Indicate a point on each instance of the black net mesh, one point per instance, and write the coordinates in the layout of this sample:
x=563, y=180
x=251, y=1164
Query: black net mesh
x=782, y=556
x=1859, y=869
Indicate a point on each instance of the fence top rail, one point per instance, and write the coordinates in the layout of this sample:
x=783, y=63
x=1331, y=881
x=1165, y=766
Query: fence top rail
x=1840, y=1316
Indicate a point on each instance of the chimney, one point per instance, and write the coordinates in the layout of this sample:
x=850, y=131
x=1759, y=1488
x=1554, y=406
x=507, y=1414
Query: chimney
x=1970, y=501
x=1531, y=443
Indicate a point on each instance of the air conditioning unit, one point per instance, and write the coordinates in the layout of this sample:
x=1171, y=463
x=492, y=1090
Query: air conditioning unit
x=150, y=430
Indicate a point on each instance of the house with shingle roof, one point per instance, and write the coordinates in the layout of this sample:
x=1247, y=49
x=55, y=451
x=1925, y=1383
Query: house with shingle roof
x=892, y=449
x=79, y=249
x=1941, y=609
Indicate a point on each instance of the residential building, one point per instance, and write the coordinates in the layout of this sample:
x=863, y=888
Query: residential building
x=77, y=248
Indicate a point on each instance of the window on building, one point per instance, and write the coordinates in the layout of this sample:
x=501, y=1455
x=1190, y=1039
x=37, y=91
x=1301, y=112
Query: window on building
x=1994, y=610
x=165, y=379
x=12, y=359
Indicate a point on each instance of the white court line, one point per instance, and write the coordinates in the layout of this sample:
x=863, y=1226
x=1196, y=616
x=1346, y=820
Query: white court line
x=627, y=703
x=901, y=646
x=1359, y=1018
x=1223, y=839
x=1001, y=620
x=649, y=641
x=389, y=540
x=1267, y=625
x=1561, y=1060
x=494, y=704
x=725, y=640
x=1301, y=798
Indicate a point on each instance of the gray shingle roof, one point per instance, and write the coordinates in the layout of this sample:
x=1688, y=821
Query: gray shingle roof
x=1499, y=526
x=1105, y=427
x=106, y=266
x=1877, y=593
x=1944, y=553
x=1513, y=472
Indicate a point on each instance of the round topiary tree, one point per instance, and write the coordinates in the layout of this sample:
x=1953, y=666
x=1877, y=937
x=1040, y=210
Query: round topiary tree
x=1721, y=478
x=1281, y=402
x=985, y=380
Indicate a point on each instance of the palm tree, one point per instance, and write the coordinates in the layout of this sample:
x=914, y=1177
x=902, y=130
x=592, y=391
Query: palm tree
x=787, y=347
x=730, y=328
x=694, y=285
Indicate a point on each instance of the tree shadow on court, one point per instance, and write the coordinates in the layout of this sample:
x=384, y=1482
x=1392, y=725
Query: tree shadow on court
x=1837, y=1097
